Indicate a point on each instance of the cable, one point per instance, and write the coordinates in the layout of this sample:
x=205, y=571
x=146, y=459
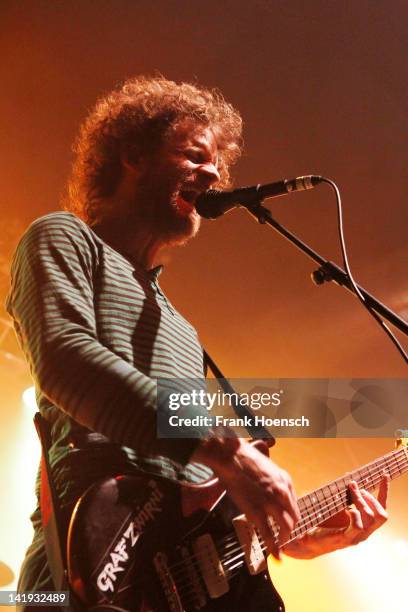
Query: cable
x=353, y=282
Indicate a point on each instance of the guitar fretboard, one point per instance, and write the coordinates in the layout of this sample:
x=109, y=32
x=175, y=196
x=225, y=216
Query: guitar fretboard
x=325, y=502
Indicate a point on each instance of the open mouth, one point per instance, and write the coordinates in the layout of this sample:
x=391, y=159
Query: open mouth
x=186, y=200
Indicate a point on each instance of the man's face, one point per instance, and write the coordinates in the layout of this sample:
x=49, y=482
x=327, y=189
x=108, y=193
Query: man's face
x=184, y=167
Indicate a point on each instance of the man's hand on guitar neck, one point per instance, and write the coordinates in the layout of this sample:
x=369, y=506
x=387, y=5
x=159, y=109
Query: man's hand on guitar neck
x=258, y=487
x=347, y=528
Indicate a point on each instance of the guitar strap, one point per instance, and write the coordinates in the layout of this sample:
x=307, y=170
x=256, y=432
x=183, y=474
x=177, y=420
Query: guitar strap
x=255, y=431
x=51, y=518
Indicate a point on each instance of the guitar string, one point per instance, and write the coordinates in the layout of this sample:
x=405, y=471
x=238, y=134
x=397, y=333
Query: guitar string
x=234, y=570
x=329, y=507
x=338, y=501
x=231, y=572
x=378, y=468
x=309, y=518
x=375, y=481
x=342, y=497
x=188, y=590
x=181, y=584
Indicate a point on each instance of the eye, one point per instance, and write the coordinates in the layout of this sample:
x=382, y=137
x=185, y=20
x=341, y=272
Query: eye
x=195, y=156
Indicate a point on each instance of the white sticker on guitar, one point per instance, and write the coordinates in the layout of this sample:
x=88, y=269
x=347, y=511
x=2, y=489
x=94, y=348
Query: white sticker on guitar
x=120, y=554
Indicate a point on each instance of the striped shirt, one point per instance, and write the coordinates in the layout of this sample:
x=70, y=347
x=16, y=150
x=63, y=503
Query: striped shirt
x=98, y=332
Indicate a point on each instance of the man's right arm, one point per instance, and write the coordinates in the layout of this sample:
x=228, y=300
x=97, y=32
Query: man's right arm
x=259, y=487
x=52, y=304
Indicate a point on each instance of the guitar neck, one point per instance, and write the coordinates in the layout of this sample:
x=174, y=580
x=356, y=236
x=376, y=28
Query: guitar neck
x=319, y=505
x=325, y=502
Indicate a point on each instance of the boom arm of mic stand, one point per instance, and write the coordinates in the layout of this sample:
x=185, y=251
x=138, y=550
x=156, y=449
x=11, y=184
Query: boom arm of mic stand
x=328, y=271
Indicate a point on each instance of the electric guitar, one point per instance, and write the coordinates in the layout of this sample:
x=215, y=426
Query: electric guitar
x=142, y=543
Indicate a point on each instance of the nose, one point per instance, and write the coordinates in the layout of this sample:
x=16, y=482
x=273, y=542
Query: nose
x=209, y=173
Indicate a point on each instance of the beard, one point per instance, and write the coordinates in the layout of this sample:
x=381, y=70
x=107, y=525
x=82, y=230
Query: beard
x=159, y=206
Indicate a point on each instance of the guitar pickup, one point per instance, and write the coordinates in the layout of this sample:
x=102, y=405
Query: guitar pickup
x=250, y=544
x=212, y=570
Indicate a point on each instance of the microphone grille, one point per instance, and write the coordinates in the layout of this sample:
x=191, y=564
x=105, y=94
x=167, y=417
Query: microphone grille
x=210, y=204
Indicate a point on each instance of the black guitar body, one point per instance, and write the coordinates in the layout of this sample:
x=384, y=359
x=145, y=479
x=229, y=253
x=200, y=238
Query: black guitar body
x=132, y=547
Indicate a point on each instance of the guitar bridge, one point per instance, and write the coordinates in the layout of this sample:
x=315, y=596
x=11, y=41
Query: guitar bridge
x=191, y=591
x=197, y=591
x=167, y=582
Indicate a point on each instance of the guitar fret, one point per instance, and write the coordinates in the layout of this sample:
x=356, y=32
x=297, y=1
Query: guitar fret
x=306, y=504
x=338, y=495
x=344, y=491
x=334, y=495
x=372, y=484
x=394, y=468
x=374, y=469
x=367, y=479
x=404, y=457
x=309, y=506
x=356, y=475
x=320, y=507
x=364, y=475
x=397, y=464
x=382, y=465
x=388, y=467
x=325, y=502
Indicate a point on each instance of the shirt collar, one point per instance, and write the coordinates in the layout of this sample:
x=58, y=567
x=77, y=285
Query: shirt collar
x=155, y=272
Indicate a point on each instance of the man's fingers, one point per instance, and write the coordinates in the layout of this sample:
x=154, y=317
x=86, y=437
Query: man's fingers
x=268, y=530
x=285, y=497
x=369, y=512
x=283, y=521
x=286, y=516
x=272, y=540
x=360, y=502
x=380, y=512
x=368, y=504
x=356, y=522
x=271, y=526
x=295, y=504
x=261, y=489
x=383, y=491
x=287, y=524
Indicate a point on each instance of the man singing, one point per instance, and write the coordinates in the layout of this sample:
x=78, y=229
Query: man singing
x=98, y=331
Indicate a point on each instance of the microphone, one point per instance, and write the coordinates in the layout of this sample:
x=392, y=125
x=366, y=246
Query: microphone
x=215, y=203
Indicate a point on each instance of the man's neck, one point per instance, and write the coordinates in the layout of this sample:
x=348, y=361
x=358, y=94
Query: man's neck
x=131, y=239
x=125, y=227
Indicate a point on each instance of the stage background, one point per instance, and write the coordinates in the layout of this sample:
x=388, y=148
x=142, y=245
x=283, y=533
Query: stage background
x=322, y=89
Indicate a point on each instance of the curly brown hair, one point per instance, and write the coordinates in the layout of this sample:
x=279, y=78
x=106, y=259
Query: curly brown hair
x=134, y=120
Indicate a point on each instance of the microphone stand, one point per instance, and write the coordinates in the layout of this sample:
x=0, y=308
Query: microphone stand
x=327, y=271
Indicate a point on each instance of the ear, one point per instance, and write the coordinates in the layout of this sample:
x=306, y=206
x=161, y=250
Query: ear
x=131, y=158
